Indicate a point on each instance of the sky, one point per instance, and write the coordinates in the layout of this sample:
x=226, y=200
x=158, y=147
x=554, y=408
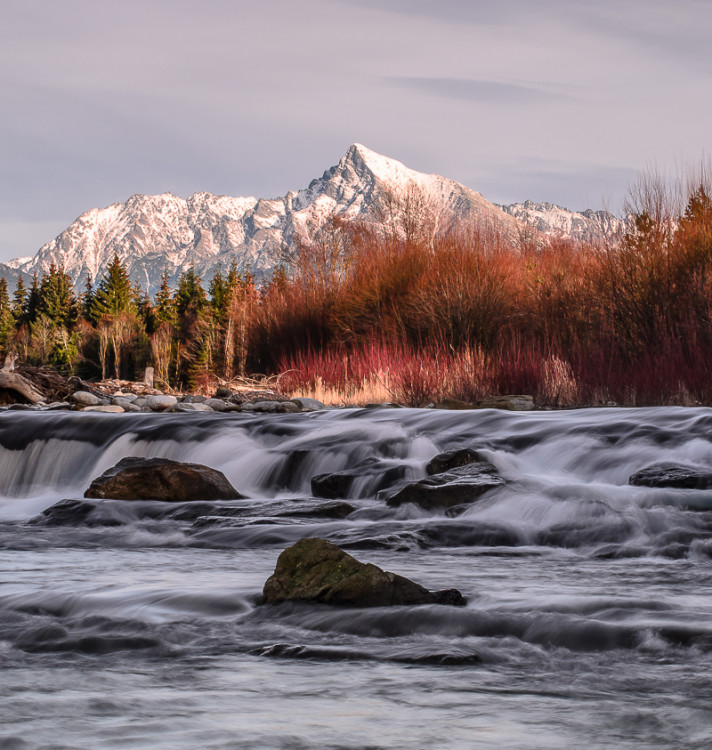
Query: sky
x=554, y=100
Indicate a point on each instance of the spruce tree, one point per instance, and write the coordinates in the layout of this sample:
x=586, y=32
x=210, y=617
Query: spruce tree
x=219, y=292
x=32, y=301
x=114, y=295
x=7, y=319
x=190, y=296
x=87, y=299
x=146, y=313
x=19, y=301
x=163, y=302
x=56, y=298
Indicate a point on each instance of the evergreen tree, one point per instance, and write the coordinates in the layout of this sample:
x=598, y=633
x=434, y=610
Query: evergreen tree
x=19, y=301
x=87, y=299
x=7, y=319
x=164, y=304
x=190, y=297
x=219, y=292
x=114, y=295
x=56, y=298
x=698, y=208
x=146, y=313
x=32, y=301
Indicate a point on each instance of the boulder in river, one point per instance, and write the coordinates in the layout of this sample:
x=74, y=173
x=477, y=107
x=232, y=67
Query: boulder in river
x=339, y=484
x=189, y=407
x=66, y=513
x=333, y=509
x=315, y=570
x=452, y=460
x=456, y=487
x=673, y=475
x=161, y=479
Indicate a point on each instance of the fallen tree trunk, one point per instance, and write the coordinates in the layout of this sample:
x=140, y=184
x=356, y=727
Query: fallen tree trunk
x=12, y=381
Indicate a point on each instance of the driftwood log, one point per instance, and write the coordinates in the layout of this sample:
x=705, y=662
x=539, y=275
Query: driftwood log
x=12, y=381
x=37, y=384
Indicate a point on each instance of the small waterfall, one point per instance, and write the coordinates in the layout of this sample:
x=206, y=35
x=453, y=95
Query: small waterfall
x=566, y=473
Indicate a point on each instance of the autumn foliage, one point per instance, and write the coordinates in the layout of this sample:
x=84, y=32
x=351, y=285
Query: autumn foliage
x=378, y=313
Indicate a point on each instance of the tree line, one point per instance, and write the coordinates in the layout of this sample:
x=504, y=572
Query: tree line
x=116, y=330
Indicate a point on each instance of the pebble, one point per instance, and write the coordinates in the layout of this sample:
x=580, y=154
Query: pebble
x=272, y=407
x=160, y=403
x=308, y=404
x=84, y=398
x=189, y=407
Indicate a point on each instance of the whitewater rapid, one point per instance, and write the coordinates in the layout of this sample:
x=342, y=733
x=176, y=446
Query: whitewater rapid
x=588, y=624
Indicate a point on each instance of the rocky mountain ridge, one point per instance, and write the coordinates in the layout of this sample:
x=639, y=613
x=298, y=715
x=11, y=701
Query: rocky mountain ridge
x=153, y=233
x=556, y=221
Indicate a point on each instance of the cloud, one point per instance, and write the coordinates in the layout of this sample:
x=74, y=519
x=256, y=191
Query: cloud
x=678, y=32
x=473, y=90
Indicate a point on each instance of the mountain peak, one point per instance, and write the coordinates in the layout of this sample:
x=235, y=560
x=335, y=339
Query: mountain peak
x=381, y=167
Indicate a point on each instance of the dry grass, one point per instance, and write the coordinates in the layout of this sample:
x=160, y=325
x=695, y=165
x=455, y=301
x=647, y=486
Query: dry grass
x=369, y=390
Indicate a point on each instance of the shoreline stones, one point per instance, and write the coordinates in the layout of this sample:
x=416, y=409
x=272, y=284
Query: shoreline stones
x=82, y=400
x=516, y=402
x=161, y=479
x=315, y=570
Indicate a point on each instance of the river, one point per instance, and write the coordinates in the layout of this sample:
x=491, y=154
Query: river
x=589, y=616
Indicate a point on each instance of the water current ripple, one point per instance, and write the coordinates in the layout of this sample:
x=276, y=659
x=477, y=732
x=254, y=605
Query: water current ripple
x=138, y=624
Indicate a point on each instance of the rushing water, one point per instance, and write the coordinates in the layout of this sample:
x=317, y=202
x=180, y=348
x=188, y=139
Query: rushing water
x=588, y=624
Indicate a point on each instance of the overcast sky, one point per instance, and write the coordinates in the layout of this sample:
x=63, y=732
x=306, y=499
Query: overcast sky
x=551, y=100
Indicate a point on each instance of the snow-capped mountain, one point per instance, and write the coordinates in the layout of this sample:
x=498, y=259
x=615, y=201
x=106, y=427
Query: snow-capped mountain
x=557, y=221
x=151, y=233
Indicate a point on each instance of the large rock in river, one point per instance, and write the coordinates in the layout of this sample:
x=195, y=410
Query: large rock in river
x=315, y=570
x=161, y=479
x=459, y=486
x=380, y=475
x=453, y=459
x=673, y=475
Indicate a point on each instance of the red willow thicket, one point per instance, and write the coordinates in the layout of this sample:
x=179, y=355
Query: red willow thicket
x=471, y=313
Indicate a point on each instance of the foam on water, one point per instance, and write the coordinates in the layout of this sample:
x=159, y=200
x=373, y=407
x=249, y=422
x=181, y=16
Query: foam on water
x=587, y=623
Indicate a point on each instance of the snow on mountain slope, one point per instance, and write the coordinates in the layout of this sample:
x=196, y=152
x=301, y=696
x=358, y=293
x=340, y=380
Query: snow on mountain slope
x=153, y=233
x=17, y=262
x=557, y=221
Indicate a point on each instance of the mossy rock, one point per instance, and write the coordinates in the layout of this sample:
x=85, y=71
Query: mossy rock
x=315, y=570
